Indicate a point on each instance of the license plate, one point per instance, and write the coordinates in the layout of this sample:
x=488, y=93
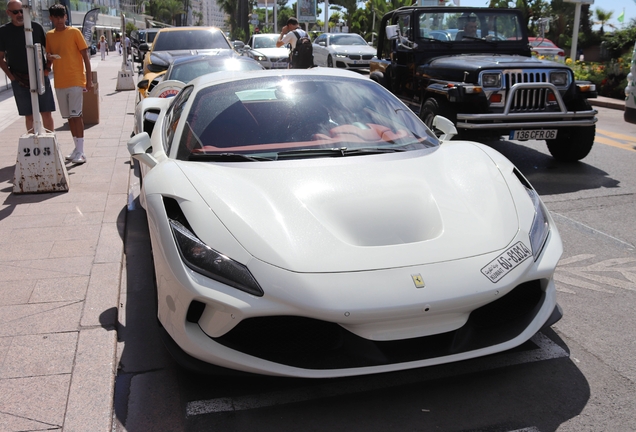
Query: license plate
x=506, y=262
x=279, y=65
x=534, y=134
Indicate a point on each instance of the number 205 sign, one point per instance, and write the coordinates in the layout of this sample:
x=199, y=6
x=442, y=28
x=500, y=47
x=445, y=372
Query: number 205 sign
x=36, y=151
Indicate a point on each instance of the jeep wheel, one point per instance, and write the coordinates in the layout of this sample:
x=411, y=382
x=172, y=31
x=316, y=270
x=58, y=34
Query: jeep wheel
x=433, y=107
x=572, y=144
x=329, y=62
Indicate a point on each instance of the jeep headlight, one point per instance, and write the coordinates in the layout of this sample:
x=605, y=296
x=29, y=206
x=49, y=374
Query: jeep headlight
x=491, y=80
x=559, y=79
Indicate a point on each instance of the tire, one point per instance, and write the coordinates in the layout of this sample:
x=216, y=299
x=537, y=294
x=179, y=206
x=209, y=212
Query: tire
x=630, y=115
x=572, y=144
x=433, y=107
x=330, y=62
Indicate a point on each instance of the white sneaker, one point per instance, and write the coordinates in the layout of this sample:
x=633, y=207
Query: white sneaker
x=72, y=156
x=79, y=158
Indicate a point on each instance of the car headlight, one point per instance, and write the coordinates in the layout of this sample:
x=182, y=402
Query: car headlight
x=341, y=55
x=540, y=226
x=491, y=80
x=559, y=79
x=259, y=57
x=204, y=260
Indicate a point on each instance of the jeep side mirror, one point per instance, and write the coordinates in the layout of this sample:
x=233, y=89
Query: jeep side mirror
x=392, y=32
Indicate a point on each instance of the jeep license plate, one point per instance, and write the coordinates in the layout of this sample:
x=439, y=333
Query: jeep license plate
x=534, y=134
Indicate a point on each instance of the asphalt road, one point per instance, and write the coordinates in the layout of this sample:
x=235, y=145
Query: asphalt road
x=578, y=376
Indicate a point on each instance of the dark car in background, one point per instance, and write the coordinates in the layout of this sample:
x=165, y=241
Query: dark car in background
x=138, y=37
x=489, y=87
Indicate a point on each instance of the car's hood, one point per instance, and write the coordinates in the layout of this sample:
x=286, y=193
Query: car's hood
x=163, y=58
x=272, y=52
x=476, y=62
x=363, y=212
x=354, y=49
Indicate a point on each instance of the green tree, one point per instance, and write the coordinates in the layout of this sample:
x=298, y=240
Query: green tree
x=602, y=17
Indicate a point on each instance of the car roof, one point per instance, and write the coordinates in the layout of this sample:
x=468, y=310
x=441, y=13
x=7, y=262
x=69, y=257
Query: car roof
x=189, y=28
x=215, y=58
x=221, y=77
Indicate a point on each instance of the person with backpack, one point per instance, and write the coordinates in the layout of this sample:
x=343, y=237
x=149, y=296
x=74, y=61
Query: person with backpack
x=302, y=55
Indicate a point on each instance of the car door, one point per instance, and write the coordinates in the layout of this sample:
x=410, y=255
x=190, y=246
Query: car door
x=320, y=50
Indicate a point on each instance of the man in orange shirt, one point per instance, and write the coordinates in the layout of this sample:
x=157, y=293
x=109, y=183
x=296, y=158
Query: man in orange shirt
x=66, y=49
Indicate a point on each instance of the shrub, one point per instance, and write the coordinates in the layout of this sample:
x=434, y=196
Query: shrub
x=610, y=77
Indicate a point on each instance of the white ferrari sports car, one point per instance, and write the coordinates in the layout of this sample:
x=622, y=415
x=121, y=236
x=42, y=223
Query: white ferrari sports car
x=306, y=223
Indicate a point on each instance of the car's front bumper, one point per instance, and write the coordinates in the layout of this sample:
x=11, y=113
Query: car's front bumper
x=524, y=109
x=342, y=324
x=348, y=63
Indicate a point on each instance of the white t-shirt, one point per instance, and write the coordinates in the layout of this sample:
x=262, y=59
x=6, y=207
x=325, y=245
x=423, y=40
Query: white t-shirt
x=290, y=37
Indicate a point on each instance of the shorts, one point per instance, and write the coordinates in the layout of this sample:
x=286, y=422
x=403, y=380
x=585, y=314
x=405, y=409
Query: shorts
x=22, y=98
x=71, y=101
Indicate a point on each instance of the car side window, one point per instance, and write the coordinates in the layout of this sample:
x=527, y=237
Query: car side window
x=173, y=115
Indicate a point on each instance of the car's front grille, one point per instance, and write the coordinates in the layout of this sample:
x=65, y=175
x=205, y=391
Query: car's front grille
x=527, y=100
x=360, y=57
x=314, y=344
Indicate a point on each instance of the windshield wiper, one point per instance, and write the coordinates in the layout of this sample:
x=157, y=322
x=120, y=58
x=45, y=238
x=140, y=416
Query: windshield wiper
x=336, y=152
x=225, y=157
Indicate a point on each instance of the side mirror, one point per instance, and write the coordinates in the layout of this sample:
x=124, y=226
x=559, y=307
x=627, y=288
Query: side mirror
x=445, y=125
x=144, y=47
x=392, y=32
x=322, y=43
x=137, y=147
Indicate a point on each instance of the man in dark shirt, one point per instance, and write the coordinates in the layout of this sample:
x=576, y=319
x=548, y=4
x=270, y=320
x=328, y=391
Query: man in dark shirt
x=13, y=61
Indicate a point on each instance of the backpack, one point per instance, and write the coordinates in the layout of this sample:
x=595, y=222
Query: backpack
x=302, y=57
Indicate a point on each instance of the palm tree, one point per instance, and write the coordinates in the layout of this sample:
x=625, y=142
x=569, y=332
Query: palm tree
x=603, y=16
x=230, y=8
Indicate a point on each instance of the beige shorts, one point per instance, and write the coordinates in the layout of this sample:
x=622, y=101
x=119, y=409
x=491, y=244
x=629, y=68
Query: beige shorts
x=70, y=101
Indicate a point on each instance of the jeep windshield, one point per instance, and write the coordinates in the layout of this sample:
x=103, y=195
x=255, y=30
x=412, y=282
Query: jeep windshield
x=490, y=25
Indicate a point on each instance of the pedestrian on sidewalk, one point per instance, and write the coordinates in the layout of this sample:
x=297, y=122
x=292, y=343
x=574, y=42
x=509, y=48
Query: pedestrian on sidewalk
x=13, y=61
x=67, y=50
x=103, y=47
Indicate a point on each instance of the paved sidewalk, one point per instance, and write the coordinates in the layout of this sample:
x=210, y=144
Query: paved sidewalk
x=606, y=102
x=61, y=259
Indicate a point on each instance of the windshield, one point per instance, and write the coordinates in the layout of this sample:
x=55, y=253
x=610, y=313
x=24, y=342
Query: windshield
x=271, y=116
x=189, y=40
x=265, y=41
x=150, y=36
x=467, y=26
x=347, y=39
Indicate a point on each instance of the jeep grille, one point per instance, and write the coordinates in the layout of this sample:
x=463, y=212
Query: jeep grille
x=527, y=100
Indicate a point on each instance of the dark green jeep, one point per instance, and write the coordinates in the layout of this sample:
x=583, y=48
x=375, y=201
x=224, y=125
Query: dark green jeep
x=474, y=66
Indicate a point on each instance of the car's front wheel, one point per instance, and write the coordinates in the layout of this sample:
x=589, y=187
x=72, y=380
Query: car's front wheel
x=572, y=144
x=329, y=62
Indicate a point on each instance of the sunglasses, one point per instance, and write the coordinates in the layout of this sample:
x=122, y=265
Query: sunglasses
x=18, y=11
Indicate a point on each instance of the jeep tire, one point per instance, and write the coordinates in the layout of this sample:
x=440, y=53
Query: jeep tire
x=433, y=107
x=572, y=144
